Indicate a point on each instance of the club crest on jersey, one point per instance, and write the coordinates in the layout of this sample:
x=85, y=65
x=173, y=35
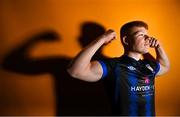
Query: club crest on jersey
x=146, y=80
x=131, y=68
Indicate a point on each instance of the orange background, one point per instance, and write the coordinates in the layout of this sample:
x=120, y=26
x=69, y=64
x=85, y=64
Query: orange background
x=22, y=94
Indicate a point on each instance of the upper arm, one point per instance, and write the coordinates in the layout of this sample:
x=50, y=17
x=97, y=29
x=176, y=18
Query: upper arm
x=95, y=71
x=92, y=73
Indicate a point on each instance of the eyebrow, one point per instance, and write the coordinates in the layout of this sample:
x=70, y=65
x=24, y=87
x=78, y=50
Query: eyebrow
x=136, y=32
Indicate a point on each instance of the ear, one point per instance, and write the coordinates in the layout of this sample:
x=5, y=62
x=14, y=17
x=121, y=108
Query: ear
x=125, y=40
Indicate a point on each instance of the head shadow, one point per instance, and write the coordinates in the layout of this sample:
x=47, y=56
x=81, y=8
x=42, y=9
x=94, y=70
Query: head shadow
x=90, y=31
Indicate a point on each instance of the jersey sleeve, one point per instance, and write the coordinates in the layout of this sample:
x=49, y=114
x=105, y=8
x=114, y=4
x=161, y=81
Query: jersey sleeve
x=107, y=66
x=157, y=67
x=104, y=67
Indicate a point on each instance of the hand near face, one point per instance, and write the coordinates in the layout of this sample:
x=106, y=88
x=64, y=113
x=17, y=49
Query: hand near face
x=154, y=43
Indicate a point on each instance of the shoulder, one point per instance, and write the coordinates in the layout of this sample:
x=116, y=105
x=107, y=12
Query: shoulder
x=110, y=61
x=153, y=63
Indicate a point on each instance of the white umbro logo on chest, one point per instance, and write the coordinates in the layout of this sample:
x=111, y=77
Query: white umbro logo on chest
x=131, y=68
x=149, y=67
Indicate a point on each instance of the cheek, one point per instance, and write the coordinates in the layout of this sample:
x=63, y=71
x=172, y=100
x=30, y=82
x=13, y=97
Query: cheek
x=141, y=41
x=138, y=42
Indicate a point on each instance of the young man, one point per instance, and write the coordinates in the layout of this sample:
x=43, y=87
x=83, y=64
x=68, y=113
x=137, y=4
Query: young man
x=133, y=78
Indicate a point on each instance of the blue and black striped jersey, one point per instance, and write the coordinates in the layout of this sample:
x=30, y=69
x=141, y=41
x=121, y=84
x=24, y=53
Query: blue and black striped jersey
x=133, y=85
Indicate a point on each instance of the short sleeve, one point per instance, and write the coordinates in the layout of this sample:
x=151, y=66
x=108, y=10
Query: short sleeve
x=104, y=67
x=107, y=66
x=157, y=68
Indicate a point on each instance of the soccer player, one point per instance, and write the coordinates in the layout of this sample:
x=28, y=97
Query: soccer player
x=133, y=76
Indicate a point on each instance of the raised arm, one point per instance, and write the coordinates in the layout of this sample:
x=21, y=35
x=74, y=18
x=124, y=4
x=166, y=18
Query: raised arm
x=18, y=59
x=82, y=67
x=161, y=56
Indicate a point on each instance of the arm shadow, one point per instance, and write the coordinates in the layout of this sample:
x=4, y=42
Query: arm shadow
x=73, y=97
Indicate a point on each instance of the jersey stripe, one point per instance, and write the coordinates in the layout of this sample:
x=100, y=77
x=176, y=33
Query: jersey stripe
x=148, y=106
x=104, y=67
x=133, y=98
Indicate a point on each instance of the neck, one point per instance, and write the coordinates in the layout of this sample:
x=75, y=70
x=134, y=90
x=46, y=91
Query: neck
x=134, y=55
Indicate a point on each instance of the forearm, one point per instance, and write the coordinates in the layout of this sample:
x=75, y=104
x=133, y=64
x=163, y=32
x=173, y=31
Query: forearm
x=162, y=58
x=83, y=59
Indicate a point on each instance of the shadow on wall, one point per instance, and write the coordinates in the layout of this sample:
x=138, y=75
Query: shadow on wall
x=73, y=97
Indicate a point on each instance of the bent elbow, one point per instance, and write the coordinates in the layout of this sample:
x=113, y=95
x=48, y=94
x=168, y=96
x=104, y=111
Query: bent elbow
x=82, y=75
x=164, y=70
x=72, y=72
x=167, y=68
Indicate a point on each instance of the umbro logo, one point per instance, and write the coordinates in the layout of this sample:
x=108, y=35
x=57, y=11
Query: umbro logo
x=149, y=67
x=131, y=68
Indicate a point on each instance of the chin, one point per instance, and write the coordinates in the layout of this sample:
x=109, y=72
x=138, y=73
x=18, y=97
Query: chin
x=144, y=52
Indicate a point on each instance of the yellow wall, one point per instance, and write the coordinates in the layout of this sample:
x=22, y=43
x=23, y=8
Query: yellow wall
x=21, y=94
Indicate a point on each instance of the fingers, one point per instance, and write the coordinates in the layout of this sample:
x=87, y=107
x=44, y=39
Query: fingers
x=110, y=30
x=109, y=35
x=153, y=42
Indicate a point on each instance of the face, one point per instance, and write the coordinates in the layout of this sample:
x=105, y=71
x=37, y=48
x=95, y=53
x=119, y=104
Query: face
x=138, y=40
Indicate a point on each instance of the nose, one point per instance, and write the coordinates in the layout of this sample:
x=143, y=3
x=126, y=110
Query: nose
x=146, y=37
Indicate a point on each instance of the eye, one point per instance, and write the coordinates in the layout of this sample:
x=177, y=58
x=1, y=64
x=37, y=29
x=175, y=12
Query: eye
x=140, y=35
